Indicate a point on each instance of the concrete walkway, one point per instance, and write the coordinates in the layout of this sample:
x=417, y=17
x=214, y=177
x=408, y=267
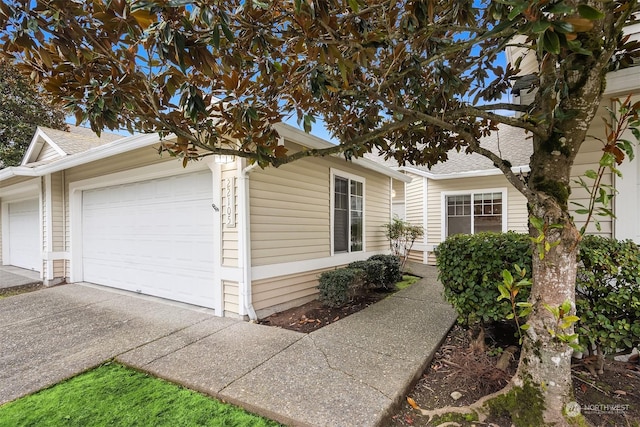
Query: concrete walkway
x=14, y=278
x=350, y=373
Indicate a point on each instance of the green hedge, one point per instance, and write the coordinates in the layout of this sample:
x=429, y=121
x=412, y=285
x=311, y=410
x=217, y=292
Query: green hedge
x=607, y=285
x=470, y=268
x=337, y=287
x=608, y=294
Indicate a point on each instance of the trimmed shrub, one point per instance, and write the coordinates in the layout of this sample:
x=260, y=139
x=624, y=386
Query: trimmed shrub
x=392, y=272
x=337, y=287
x=607, y=284
x=470, y=268
x=608, y=294
x=374, y=272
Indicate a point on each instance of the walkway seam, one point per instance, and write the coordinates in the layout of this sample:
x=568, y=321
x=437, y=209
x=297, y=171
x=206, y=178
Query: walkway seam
x=326, y=358
x=262, y=363
x=168, y=335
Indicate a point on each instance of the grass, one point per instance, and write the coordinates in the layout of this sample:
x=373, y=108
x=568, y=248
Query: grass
x=113, y=395
x=407, y=280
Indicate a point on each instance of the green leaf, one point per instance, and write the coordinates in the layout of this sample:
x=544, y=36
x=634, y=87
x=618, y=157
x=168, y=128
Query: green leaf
x=551, y=42
x=518, y=9
x=591, y=174
x=540, y=26
x=507, y=277
x=537, y=223
x=589, y=12
x=353, y=4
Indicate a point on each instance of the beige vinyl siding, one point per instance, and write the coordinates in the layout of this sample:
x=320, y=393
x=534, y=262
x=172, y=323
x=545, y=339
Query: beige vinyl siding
x=289, y=208
x=57, y=212
x=229, y=250
x=516, y=202
x=47, y=153
x=415, y=200
x=230, y=297
x=279, y=293
x=15, y=180
x=398, y=191
x=588, y=158
x=377, y=211
x=118, y=163
x=59, y=268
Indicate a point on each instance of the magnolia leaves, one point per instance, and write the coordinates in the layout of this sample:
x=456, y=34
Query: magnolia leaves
x=553, y=26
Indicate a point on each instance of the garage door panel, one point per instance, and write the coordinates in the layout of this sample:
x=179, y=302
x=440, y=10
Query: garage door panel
x=154, y=237
x=24, y=234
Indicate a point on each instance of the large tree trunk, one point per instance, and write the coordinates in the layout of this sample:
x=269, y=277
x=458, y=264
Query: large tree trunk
x=545, y=361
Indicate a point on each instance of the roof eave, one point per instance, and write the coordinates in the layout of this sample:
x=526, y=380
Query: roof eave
x=315, y=143
x=467, y=174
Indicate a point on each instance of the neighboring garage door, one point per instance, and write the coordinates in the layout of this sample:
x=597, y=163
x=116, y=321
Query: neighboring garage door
x=24, y=235
x=155, y=237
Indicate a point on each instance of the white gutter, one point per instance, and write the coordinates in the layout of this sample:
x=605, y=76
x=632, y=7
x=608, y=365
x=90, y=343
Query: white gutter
x=111, y=149
x=468, y=174
x=300, y=137
x=245, y=241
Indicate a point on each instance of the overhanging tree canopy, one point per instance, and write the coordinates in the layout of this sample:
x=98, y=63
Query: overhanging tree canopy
x=411, y=78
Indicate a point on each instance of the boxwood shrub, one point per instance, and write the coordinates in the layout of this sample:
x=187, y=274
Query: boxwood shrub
x=392, y=272
x=470, y=268
x=338, y=287
x=607, y=284
x=608, y=294
x=374, y=272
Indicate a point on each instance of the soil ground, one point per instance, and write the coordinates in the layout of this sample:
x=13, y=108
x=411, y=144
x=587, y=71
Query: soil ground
x=611, y=399
x=313, y=315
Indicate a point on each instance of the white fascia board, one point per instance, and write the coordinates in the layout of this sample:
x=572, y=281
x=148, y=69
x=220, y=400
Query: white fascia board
x=300, y=137
x=10, y=172
x=35, y=144
x=623, y=81
x=113, y=148
x=468, y=174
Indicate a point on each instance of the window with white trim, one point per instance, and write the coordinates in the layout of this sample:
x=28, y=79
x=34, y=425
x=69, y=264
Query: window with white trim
x=348, y=214
x=473, y=213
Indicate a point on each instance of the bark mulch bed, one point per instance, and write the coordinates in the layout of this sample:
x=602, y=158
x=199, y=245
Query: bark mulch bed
x=611, y=399
x=313, y=315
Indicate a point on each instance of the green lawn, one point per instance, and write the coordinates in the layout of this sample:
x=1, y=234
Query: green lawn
x=113, y=395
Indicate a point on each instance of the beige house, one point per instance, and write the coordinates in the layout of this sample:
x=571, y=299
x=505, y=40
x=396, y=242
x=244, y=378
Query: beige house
x=467, y=194
x=219, y=233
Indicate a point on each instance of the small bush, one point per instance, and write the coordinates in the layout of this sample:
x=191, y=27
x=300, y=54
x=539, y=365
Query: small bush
x=374, y=272
x=608, y=294
x=392, y=272
x=337, y=287
x=470, y=268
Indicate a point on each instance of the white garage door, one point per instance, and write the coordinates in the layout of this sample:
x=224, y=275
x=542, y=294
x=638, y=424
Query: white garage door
x=155, y=237
x=24, y=235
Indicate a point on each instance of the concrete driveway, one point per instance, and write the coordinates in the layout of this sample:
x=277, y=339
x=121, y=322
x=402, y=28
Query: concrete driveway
x=55, y=333
x=350, y=373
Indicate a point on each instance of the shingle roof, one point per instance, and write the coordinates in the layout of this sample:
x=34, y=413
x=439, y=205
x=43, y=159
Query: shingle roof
x=508, y=142
x=79, y=139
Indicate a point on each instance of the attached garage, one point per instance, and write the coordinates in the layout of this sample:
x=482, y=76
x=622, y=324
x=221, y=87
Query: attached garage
x=155, y=237
x=24, y=235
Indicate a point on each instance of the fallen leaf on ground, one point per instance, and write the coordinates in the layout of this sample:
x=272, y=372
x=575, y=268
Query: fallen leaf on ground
x=412, y=403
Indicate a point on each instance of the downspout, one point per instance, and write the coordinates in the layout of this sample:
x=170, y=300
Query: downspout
x=245, y=240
